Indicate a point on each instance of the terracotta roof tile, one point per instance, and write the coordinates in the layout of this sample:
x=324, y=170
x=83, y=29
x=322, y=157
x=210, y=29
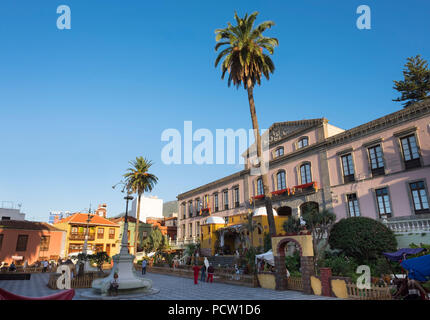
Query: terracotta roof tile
x=81, y=218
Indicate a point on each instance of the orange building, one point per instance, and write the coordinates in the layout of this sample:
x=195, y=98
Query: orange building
x=167, y=226
x=22, y=240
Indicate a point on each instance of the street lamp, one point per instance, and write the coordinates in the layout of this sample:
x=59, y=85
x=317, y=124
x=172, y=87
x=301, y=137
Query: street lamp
x=128, y=197
x=84, y=249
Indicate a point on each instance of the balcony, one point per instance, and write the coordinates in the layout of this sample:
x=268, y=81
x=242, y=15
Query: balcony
x=286, y=193
x=408, y=225
x=81, y=236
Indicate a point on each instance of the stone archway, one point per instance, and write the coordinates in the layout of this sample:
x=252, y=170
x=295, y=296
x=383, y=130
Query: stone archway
x=304, y=243
x=284, y=211
x=309, y=206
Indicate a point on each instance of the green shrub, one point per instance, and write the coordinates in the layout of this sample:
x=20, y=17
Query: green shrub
x=340, y=265
x=292, y=225
x=362, y=238
x=292, y=263
x=267, y=242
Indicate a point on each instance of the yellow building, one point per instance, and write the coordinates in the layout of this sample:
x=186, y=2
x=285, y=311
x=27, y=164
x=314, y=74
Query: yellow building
x=228, y=234
x=103, y=234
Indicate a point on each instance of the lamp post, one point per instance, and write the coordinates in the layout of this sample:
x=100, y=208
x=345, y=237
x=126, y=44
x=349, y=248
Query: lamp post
x=84, y=249
x=85, y=265
x=124, y=242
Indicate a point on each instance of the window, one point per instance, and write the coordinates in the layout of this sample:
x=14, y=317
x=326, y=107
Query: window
x=383, y=201
x=44, y=243
x=280, y=179
x=5, y=218
x=184, y=210
x=190, y=229
x=226, y=200
x=303, y=142
x=279, y=152
x=348, y=168
x=206, y=201
x=216, y=202
x=260, y=188
x=353, y=209
x=197, y=228
x=1, y=240
x=74, y=229
x=21, y=244
x=376, y=161
x=111, y=233
x=411, y=156
x=419, y=197
x=100, y=233
x=226, y=220
x=198, y=206
x=190, y=209
x=305, y=173
x=236, y=197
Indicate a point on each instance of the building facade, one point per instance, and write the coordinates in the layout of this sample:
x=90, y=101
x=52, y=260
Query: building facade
x=10, y=211
x=150, y=206
x=380, y=169
x=103, y=234
x=22, y=240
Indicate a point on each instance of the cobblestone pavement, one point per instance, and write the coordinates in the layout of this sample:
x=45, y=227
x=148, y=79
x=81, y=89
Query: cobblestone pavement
x=171, y=288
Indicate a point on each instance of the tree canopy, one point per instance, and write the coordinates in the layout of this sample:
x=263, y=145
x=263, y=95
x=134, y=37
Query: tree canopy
x=416, y=84
x=362, y=238
x=137, y=177
x=243, y=54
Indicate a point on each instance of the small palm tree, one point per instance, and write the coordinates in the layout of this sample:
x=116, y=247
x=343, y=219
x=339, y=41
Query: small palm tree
x=139, y=180
x=246, y=62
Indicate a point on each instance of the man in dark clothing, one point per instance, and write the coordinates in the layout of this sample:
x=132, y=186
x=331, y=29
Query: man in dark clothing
x=203, y=276
x=211, y=272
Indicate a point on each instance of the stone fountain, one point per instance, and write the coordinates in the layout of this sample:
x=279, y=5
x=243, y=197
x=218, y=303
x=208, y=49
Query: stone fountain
x=130, y=285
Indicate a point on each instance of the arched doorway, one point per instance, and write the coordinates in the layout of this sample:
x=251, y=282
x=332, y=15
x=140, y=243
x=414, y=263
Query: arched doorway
x=306, y=261
x=284, y=211
x=309, y=207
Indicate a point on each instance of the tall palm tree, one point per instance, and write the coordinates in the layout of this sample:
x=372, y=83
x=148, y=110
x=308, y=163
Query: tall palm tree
x=244, y=58
x=139, y=180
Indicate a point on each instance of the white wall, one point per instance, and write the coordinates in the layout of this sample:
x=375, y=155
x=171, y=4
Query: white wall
x=13, y=214
x=149, y=207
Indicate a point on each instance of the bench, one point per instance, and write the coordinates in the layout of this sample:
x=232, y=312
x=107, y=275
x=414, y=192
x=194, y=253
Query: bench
x=15, y=276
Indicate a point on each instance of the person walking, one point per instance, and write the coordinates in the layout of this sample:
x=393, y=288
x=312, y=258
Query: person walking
x=144, y=266
x=45, y=265
x=196, y=270
x=25, y=265
x=211, y=272
x=203, y=276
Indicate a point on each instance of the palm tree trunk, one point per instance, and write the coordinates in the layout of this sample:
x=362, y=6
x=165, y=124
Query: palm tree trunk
x=136, y=230
x=280, y=269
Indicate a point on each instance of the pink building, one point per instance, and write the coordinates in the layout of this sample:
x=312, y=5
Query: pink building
x=380, y=169
x=30, y=241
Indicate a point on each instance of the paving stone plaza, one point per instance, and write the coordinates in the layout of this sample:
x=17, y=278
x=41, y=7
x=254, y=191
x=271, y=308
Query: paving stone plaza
x=171, y=288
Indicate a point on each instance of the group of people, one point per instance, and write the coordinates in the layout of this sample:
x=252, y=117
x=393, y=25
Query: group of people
x=210, y=273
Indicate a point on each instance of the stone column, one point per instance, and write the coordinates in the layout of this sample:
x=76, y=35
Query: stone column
x=307, y=266
x=325, y=281
x=281, y=273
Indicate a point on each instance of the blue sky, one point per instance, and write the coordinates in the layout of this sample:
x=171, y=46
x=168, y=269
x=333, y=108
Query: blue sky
x=76, y=105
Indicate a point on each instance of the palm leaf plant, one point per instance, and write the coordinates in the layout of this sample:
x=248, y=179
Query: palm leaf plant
x=245, y=56
x=139, y=180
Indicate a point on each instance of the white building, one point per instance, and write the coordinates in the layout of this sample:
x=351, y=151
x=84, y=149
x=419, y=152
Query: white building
x=10, y=211
x=150, y=207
